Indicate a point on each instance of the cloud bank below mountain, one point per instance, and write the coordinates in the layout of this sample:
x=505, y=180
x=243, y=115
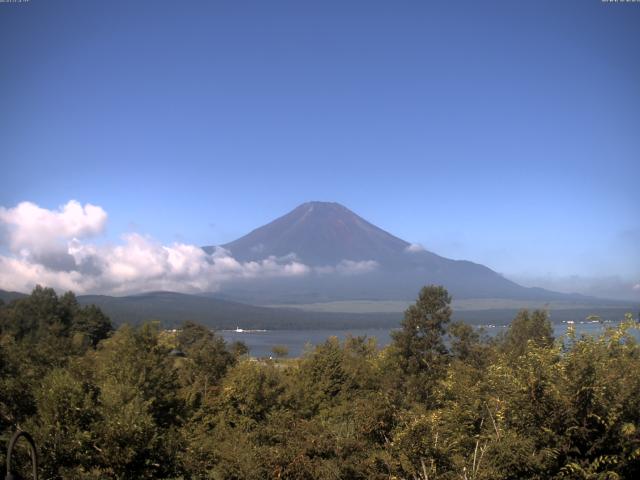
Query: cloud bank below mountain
x=55, y=248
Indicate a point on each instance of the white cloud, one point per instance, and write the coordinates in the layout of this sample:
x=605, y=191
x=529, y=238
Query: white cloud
x=21, y=275
x=48, y=248
x=35, y=230
x=349, y=267
x=53, y=248
x=636, y=287
x=414, y=248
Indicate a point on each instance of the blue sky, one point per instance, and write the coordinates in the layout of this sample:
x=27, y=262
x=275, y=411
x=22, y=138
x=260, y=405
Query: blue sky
x=503, y=132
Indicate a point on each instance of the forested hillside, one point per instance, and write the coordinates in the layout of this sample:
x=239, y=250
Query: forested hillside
x=441, y=402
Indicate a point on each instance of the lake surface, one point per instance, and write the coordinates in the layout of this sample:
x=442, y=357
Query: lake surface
x=260, y=343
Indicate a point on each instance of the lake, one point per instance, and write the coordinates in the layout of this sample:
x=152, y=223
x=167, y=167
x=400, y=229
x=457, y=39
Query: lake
x=260, y=343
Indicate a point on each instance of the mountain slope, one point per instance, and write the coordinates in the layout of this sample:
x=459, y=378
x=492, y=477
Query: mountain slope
x=7, y=296
x=172, y=309
x=319, y=233
x=322, y=234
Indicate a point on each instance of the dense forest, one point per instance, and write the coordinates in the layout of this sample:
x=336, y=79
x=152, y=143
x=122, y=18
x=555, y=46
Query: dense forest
x=442, y=401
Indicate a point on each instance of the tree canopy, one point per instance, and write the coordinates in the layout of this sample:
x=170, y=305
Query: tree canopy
x=442, y=401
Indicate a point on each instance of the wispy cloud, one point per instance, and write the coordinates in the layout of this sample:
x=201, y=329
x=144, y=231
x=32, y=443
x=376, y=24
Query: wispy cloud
x=414, y=248
x=348, y=267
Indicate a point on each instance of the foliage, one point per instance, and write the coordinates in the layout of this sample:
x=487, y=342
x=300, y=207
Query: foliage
x=443, y=401
x=526, y=328
x=280, y=351
x=418, y=348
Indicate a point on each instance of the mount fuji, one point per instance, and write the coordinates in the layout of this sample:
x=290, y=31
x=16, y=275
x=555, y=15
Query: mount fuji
x=350, y=258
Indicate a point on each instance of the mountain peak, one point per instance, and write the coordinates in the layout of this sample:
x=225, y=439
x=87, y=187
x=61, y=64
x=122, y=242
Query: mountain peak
x=318, y=233
x=316, y=205
x=323, y=234
x=321, y=204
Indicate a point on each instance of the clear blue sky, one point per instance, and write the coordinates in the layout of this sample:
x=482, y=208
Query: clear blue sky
x=503, y=132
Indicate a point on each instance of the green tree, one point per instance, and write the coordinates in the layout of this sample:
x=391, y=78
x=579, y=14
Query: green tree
x=91, y=323
x=36, y=316
x=280, y=351
x=419, y=347
x=469, y=346
x=138, y=405
x=525, y=328
x=67, y=413
x=207, y=361
x=322, y=377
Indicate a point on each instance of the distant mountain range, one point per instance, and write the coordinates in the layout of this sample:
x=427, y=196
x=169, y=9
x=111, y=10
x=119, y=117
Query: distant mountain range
x=364, y=261
x=172, y=309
